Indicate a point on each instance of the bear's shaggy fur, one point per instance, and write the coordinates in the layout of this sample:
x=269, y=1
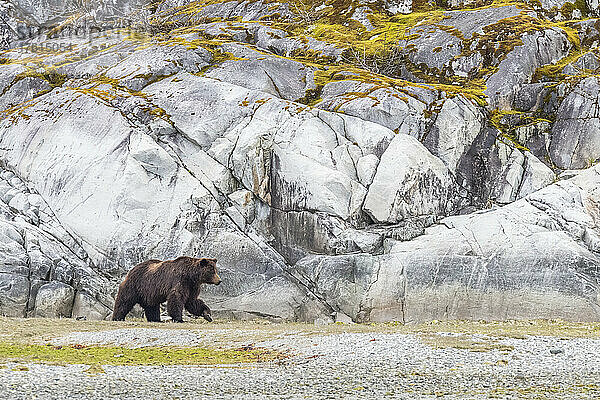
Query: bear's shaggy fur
x=176, y=281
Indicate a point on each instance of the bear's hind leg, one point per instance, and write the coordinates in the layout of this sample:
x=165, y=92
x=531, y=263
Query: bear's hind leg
x=152, y=313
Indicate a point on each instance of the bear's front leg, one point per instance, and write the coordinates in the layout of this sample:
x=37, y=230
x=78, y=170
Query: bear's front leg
x=198, y=308
x=175, y=303
x=126, y=299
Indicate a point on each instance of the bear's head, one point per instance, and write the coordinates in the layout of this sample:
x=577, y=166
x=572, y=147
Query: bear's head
x=209, y=272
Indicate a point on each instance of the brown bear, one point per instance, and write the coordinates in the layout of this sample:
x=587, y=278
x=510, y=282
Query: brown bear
x=176, y=281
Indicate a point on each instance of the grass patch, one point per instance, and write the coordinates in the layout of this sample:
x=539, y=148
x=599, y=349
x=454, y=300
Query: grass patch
x=40, y=330
x=106, y=355
x=553, y=72
x=516, y=329
x=464, y=342
x=236, y=333
x=95, y=369
x=507, y=135
x=582, y=390
x=53, y=78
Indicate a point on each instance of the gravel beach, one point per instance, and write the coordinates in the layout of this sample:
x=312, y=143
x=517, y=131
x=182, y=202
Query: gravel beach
x=326, y=366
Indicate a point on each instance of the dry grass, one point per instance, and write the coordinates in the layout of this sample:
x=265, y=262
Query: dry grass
x=40, y=331
x=464, y=342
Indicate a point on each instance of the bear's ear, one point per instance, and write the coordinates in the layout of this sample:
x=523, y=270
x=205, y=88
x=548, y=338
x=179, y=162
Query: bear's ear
x=203, y=262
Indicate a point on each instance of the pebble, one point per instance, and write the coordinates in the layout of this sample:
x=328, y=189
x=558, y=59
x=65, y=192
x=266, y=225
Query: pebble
x=333, y=366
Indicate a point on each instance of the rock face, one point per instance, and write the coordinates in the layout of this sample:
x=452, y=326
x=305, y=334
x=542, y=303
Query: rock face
x=14, y=295
x=341, y=163
x=54, y=299
x=86, y=307
x=409, y=182
x=576, y=135
x=524, y=259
